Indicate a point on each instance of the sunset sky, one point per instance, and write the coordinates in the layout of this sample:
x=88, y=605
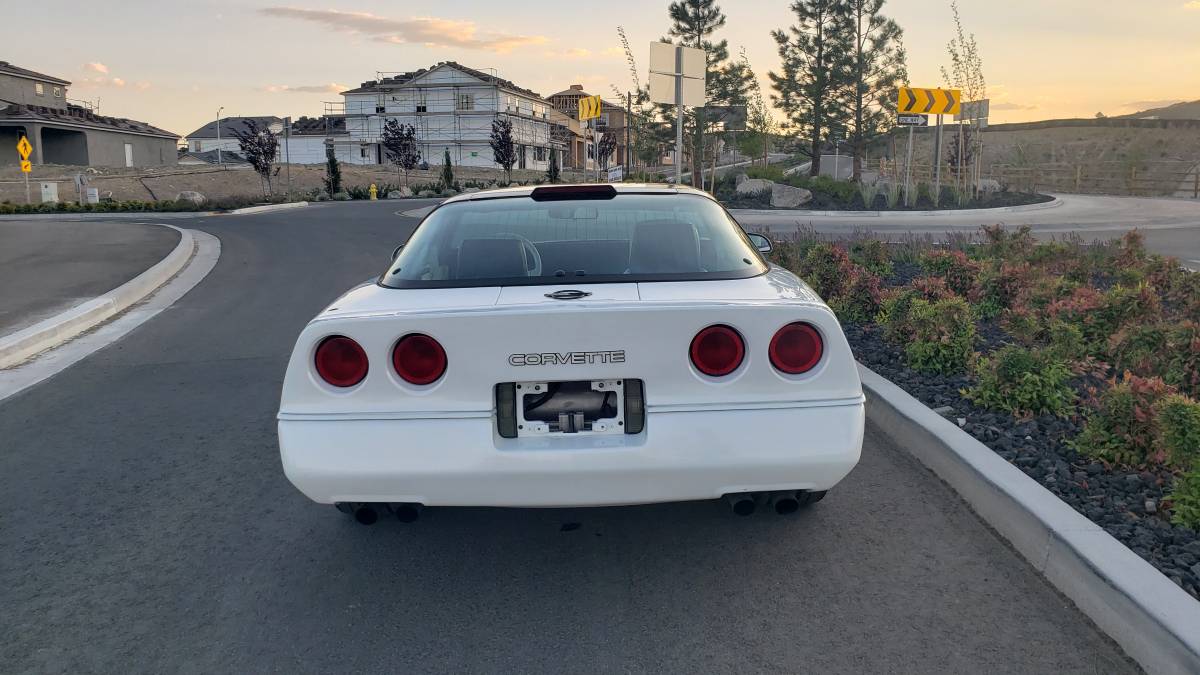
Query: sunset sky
x=172, y=64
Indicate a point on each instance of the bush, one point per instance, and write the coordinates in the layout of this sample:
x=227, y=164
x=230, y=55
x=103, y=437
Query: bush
x=771, y=172
x=1125, y=426
x=960, y=272
x=860, y=302
x=932, y=288
x=873, y=255
x=1001, y=244
x=1024, y=382
x=1179, y=418
x=827, y=269
x=941, y=336
x=1186, y=498
x=999, y=285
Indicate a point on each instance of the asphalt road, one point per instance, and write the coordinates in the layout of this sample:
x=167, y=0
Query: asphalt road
x=47, y=266
x=147, y=527
x=1171, y=226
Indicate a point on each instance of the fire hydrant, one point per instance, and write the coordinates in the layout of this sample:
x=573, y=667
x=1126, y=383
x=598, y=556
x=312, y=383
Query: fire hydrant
x=374, y=192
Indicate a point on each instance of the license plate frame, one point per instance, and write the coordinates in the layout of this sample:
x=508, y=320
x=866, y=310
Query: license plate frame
x=576, y=426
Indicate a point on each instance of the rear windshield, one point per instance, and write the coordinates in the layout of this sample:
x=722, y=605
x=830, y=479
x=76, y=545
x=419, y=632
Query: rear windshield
x=519, y=241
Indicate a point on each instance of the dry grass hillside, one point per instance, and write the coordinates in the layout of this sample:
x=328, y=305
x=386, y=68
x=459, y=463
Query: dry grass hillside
x=1106, y=160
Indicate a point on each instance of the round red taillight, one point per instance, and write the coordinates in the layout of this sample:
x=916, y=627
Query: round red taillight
x=796, y=348
x=419, y=359
x=340, y=361
x=717, y=350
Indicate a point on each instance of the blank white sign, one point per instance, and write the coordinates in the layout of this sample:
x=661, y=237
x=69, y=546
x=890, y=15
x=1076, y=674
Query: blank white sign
x=662, y=90
x=662, y=60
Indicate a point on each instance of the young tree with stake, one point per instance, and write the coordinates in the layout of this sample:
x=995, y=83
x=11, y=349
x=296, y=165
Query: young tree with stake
x=259, y=146
x=503, y=149
x=400, y=143
x=811, y=87
x=447, y=178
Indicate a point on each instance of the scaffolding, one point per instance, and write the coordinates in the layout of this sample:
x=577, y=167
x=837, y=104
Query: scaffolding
x=452, y=110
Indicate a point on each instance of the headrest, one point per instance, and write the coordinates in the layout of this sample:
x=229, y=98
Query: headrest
x=664, y=247
x=491, y=259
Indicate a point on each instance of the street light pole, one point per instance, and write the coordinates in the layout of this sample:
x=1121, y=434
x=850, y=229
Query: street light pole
x=219, y=160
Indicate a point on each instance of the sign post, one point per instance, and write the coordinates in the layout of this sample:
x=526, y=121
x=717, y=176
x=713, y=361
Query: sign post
x=23, y=150
x=677, y=76
x=589, y=111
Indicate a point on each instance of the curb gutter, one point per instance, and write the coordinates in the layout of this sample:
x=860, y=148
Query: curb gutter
x=1152, y=619
x=267, y=208
x=21, y=345
x=1057, y=202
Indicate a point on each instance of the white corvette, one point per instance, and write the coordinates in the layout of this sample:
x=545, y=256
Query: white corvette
x=577, y=345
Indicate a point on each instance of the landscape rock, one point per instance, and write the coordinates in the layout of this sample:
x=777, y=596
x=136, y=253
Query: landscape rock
x=989, y=185
x=427, y=193
x=341, y=196
x=788, y=197
x=403, y=193
x=754, y=186
x=470, y=190
x=740, y=178
x=188, y=196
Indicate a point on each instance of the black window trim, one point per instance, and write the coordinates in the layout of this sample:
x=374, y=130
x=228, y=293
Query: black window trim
x=763, y=267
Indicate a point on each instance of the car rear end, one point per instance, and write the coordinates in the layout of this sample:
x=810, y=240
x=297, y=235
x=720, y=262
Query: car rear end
x=590, y=393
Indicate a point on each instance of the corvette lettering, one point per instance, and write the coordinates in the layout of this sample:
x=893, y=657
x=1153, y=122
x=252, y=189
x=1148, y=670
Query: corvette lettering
x=567, y=358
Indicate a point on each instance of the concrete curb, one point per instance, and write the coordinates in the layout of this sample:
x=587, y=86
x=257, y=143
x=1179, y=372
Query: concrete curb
x=267, y=208
x=115, y=215
x=21, y=345
x=1057, y=202
x=1152, y=619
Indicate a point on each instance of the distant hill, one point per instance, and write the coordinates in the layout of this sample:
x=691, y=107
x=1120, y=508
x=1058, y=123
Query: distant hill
x=1179, y=111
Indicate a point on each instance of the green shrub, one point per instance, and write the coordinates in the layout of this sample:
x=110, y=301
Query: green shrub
x=932, y=288
x=771, y=172
x=1066, y=341
x=873, y=255
x=941, y=336
x=999, y=285
x=1186, y=498
x=1024, y=382
x=1002, y=244
x=1179, y=418
x=827, y=269
x=1125, y=426
x=960, y=272
x=1139, y=348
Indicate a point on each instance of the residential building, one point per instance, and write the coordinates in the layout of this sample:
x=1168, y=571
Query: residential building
x=62, y=132
x=205, y=139
x=612, y=118
x=452, y=108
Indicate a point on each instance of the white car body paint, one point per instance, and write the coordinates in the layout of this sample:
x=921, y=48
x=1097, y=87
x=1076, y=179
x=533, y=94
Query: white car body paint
x=754, y=430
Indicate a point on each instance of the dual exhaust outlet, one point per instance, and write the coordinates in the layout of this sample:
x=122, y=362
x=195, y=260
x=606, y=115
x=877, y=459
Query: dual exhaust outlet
x=368, y=513
x=783, y=503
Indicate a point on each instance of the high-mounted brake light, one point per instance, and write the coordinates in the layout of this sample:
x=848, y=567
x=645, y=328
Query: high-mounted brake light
x=717, y=350
x=557, y=193
x=796, y=348
x=419, y=359
x=340, y=361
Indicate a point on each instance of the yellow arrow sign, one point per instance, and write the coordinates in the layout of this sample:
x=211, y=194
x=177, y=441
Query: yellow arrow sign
x=589, y=107
x=24, y=148
x=26, y=167
x=919, y=101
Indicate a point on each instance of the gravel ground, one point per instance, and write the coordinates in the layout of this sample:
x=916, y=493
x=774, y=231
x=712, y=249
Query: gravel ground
x=1122, y=501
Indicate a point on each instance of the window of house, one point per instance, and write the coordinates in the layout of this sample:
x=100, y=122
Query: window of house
x=58, y=92
x=39, y=89
x=465, y=102
x=421, y=106
x=539, y=154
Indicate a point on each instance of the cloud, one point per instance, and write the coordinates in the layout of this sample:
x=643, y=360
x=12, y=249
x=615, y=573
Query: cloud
x=142, y=85
x=331, y=88
x=1013, y=106
x=619, y=53
x=96, y=67
x=118, y=82
x=577, y=53
x=1194, y=4
x=430, y=31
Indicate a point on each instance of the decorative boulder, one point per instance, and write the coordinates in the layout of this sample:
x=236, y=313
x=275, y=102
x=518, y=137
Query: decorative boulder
x=753, y=186
x=427, y=193
x=341, y=196
x=470, y=189
x=788, y=197
x=989, y=186
x=740, y=178
x=190, y=196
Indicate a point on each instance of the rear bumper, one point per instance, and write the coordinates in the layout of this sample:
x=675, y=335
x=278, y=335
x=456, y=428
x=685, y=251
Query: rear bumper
x=681, y=456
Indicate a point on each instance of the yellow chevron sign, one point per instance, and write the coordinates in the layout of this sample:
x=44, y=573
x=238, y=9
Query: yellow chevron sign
x=589, y=107
x=929, y=101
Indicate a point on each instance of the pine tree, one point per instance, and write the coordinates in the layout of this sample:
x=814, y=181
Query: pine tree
x=447, y=178
x=503, y=149
x=878, y=67
x=400, y=143
x=333, y=175
x=815, y=55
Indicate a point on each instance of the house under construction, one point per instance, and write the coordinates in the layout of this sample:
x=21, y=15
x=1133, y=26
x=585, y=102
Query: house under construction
x=451, y=107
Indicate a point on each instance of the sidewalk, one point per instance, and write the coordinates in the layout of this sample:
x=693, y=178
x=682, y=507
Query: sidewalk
x=47, y=267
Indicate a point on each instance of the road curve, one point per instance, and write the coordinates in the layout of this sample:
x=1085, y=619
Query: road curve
x=147, y=526
x=1171, y=226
